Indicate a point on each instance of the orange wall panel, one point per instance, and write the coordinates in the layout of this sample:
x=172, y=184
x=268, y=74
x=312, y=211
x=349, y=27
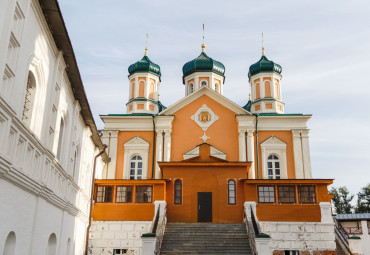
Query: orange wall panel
x=141, y=89
x=205, y=179
x=123, y=137
x=140, y=106
x=267, y=89
x=223, y=132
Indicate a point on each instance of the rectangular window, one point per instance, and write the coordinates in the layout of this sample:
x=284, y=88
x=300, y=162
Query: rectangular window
x=119, y=251
x=143, y=194
x=104, y=194
x=291, y=252
x=307, y=194
x=124, y=194
x=266, y=194
x=286, y=194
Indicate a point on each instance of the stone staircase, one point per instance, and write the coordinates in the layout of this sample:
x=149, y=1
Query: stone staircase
x=205, y=238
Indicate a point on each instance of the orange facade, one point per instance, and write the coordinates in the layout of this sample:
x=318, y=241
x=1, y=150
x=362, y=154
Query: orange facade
x=186, y=133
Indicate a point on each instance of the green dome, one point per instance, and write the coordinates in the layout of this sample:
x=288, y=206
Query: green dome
x=264, y=65
x=145, y=66
x=203, y=63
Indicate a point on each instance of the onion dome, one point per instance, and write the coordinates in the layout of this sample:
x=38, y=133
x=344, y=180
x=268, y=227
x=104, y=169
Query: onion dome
x=263, y=66
x=203, y=63
x=145, y=66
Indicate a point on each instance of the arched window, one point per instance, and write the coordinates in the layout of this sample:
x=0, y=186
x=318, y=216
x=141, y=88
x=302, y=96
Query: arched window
x=9, y=247
x=52, y=245
x=203, y=83
x=178, y=192
x=273, y=167
x=136, y=168
x=29, y=100
x=191, y=88
x=258, y=91
x=267, y=89
x=60, y=139
x=76, y=162
x=217, y=88
x=231, y=187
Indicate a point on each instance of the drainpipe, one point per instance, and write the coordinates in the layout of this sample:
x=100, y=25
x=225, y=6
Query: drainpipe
x=92, y=197
x=154, y=140
x=258, y=167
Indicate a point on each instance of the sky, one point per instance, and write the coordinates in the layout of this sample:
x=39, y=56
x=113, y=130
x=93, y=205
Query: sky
x=322, y=46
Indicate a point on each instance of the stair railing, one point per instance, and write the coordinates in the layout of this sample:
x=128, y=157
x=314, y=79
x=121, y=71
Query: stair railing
x=252, y=229
x=341, y=236
x=158, y=228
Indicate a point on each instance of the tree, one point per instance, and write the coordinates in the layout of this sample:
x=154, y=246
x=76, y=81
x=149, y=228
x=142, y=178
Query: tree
x=342, y=199
x=363, y=200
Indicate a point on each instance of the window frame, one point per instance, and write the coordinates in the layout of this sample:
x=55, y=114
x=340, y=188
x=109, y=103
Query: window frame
x=273, y=161
x=274, y=192
x=151, y=194
x=97, y=192
x=300, y=197
x=175, y=195
x=228, y=192
x=201, y=83
x=294, y=194
x=124, y=186
x=136, y=168
x=191, y=87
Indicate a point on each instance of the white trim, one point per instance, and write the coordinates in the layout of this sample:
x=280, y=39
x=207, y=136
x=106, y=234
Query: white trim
x=136, y=146
x=204, y=125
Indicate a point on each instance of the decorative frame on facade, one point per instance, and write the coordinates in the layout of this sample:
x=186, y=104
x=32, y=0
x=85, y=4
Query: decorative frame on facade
x=136, y=146
x=274, y=145
x=204, y=117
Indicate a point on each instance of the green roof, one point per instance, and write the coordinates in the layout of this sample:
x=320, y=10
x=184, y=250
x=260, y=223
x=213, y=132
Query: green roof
x=145, y=66
x=203, y=63
x=263, y=66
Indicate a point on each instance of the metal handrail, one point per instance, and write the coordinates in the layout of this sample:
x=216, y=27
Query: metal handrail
x=158, y=229
x=251, y=231
x=341, y=236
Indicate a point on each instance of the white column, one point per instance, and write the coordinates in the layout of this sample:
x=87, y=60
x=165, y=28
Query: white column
x=250, y=152
x=242, y=149
x=306, y=155
x=297, y=147
x=159, y=152
x=325, y=209
x=167, y=145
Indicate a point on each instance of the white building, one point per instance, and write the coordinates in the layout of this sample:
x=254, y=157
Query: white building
x=48, y=138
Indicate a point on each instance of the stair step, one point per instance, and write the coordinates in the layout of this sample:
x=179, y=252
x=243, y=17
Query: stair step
x=205, y=238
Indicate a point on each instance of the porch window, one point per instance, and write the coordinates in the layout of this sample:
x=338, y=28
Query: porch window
x=104, y=194
x=286, y=194
x=232, y=200
x=307, y=194
x=266, y=194
x=124, y=194
x=178, y=192
x=143, y=194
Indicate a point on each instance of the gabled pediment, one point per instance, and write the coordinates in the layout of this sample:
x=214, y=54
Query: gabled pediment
x=136, y=141
x=210, y=93
x=273, y=142
x=213, y=153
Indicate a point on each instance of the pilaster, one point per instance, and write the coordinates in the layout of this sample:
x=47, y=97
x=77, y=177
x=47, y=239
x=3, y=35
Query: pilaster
x=159, y=152
x=242, y=147
x=306, y=155
x=167, y=145
x=250, y=152
x=297, y=147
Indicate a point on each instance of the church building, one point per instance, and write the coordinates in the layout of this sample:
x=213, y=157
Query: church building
x=207, y=161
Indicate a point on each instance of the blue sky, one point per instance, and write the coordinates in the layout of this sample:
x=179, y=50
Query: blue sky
x=322, y=46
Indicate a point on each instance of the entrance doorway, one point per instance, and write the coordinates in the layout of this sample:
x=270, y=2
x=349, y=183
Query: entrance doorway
x=204, y=206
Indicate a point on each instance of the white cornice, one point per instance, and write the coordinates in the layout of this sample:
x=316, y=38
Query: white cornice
x=210, y=93
x=127, y=123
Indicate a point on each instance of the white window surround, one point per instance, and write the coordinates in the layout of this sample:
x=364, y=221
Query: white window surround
x=274, y=145
x=203, y=83
x=136, y=146
x=191, y=88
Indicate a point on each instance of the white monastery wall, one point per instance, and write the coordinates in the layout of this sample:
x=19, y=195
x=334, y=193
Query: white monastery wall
x=108, y=235
x=300, y=235
x=45, y=181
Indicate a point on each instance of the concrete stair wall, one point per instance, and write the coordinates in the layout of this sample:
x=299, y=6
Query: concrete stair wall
x=205, y=238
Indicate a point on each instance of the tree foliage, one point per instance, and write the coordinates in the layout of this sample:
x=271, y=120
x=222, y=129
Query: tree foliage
x=342, y=200
x=363, y=200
